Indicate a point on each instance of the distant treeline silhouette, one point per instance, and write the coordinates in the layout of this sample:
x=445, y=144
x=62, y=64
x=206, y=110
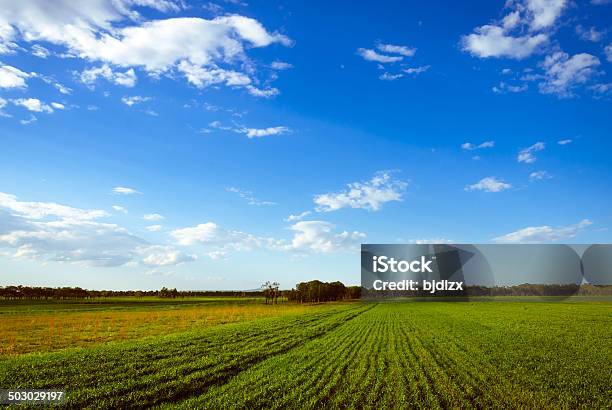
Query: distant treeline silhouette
x=317, y=291
x=313, y=291
x=31, y=292
x=525, y=289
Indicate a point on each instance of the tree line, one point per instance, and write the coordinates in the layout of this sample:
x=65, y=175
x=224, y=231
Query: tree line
x=65, y=293
x=314, y=291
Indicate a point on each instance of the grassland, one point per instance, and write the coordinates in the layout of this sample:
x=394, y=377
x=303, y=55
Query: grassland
x=373, y=355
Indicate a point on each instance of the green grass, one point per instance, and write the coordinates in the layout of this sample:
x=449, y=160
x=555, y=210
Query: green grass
x=385, y=355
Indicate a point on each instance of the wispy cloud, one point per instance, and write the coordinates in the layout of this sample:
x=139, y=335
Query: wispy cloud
x=122, y=190
x=539, y=176
x=527, y=156
x=248, y=196
x=468, y=146
x=544, y=233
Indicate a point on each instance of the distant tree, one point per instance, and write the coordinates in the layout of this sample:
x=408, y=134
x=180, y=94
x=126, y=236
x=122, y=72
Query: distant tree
x=271, y=291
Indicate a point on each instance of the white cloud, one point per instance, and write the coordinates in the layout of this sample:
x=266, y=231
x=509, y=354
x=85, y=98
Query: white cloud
x=520, y=33
x=127, y=78
x=538, y=234
x=39, y=51
x=489, y=184
x=503, y=88
x=601, y=88
x=371, y=55
x=608, y=52
x=318, y=236
x=390, y=77
x=563, y=73
x=133, y=100
x=248, y=196
x=57, y=106
x=48, y=231
x=527, y=156
x=471, y=147
x=590, y=34
x=416, y=70
x=11, y=77
x=370, y=195
x=120, y=209
x=431, y=241
x=280, y=65
x=493, y=41
x=539, y=176
x=394, y=49
x=544, y=13
x=152, y=217
x=217, y=239
x=564, y=142
x=113, y=33
x=263, y=132
x=297, y=217
x=121, y=190
x=32, y=119
x=164, y=256
x=308, y=236
x=154, y=228
x=41, y=210
x=33, y=104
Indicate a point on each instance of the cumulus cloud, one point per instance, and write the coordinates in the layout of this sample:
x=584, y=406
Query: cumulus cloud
x=494, y=41
x=545, y=233
x=122, y=190
x=113, y=33
x=520, y=33
x=489, y=184
x=216, y=239
x=48, y=231
x=471, y=147
x=164, y=256
x=11, y=77
x=249, y=197
x=562, y=73
x=126, y=78
x=33, y=104
x=318, y=236
x=527, y=156
x=370, y=195
x=308, y=236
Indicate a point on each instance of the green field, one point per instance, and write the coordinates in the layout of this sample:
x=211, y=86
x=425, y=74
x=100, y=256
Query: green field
x=376, y=355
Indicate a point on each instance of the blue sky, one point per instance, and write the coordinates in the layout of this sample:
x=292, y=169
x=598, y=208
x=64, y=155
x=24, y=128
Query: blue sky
x=216, y=145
